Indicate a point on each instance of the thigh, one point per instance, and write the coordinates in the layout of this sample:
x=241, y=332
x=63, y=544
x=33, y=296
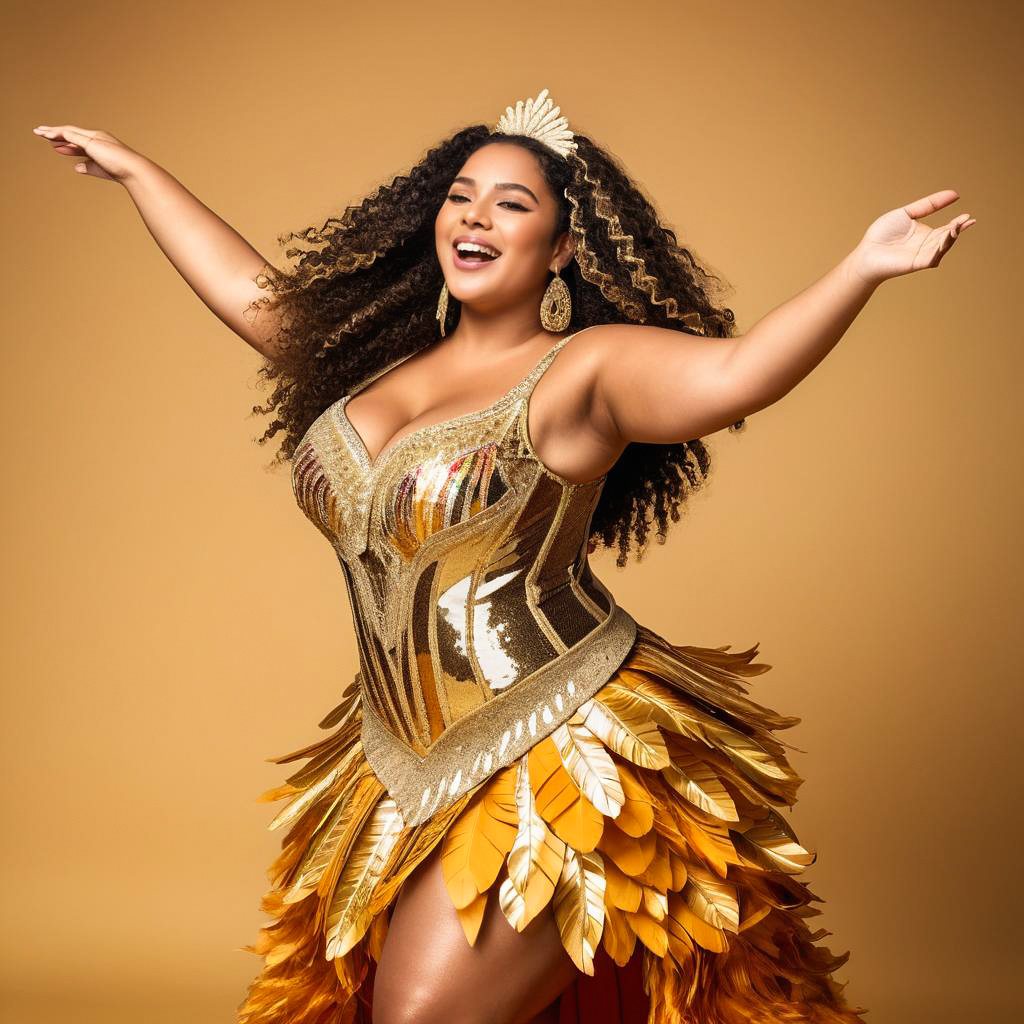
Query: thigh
x=428, y=971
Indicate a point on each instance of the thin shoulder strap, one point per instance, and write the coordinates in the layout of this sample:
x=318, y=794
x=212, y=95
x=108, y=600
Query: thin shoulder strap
x=538, y=371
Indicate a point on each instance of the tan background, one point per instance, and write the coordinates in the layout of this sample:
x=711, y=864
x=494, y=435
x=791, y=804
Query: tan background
x=170, y=619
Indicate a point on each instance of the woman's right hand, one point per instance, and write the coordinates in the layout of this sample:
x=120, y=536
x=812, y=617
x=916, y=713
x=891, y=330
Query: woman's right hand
x=220, y=266
x=105, y=156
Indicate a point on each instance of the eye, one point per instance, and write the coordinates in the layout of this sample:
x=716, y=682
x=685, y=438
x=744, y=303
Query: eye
x=455, y=196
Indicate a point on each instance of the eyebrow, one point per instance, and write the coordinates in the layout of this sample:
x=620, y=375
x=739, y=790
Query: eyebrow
x=505, y=186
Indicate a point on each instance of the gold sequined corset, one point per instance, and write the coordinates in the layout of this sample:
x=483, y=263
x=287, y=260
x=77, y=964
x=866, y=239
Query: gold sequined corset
x=480, y=625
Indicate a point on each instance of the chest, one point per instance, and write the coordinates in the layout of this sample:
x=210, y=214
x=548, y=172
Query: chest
x=428, y=482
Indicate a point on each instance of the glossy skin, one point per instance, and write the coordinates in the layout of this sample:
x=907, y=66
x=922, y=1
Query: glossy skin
x=611, y=385
x=429, y=974
x=616, y=383
x=499, y=337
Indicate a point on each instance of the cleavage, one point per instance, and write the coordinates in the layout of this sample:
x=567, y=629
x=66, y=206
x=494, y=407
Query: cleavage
x=409, y=429
x=412, y=428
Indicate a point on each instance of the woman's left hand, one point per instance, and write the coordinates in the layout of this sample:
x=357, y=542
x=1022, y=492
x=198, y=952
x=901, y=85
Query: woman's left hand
x=897, y=243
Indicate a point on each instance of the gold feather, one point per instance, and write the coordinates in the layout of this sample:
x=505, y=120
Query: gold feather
x=727, y=771
x=757, y=910
x=589, y=765
x=650, y=932
x=679, y=872
x=621, y=891
x=472, y=915
x=712, y=899
x=710, y=841
x=324, y=754
x=713, y=844
x=347, y=707
x=306, y=797
x=347, y=919
x=365, y=805
x=658, y=873
x=705, y=935
x=697, y=781
x=618, y=937
x=579, y=906
x=475, y=846
x=642, y=700
x=413, y=847
x=771, y=843
x=632, y=855
x=336, y=831
x=637, y=814
x=572, y=817
x=534, y=861
x=670, y=712
x=512, y=904
x=680, y=944
x=655, y=902
x=637, y=739
x=376, y=935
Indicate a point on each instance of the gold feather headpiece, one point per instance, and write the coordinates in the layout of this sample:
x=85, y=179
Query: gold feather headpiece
x=538, y=118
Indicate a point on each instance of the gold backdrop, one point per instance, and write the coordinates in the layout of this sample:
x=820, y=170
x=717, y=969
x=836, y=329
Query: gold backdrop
x=171, y=619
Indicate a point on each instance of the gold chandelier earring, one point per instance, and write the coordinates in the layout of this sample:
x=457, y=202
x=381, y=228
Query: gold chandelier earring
x=442, y=307
x=556, y=306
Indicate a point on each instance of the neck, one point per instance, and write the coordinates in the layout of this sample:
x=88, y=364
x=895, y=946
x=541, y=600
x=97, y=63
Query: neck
x=490, y=332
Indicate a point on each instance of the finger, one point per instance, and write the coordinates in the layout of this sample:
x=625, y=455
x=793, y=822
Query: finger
x=53, y=134
x=929, y=204
x=77, y=134
x=66, y=148
x=961, y=222
x=64, y=131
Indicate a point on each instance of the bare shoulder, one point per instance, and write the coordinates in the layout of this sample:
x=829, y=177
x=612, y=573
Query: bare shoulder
x=614, y=383
x=627, y=382
x=618, y=339
x=611, y=349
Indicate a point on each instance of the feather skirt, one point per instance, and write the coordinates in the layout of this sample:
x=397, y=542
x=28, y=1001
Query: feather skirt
x=648, y=821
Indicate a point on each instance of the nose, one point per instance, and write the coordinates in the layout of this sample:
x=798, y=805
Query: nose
x=472, y=213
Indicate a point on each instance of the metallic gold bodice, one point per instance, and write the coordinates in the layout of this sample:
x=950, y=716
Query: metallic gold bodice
x=480, y=626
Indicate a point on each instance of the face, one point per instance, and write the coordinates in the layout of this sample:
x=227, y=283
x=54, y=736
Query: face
x=500, y=199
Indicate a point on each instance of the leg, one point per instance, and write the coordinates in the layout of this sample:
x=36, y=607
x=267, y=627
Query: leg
x=429, y=974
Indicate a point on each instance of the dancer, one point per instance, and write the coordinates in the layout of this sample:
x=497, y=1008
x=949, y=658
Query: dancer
x=527, y=806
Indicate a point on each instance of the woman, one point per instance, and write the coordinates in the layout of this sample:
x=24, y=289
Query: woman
x=529, y=807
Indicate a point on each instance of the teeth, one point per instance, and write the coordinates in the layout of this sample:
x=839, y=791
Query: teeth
x=473, y=247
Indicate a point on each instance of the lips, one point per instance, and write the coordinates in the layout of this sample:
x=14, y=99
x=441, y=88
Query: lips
x=485, y=243
x=473, y=263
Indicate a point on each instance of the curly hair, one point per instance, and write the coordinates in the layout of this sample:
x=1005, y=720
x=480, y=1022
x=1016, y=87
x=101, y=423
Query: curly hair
x=364, y=292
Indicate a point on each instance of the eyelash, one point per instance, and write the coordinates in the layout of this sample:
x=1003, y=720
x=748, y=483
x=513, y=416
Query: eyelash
x=455, y=195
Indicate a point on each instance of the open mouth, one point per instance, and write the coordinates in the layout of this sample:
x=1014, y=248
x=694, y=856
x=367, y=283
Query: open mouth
x=471, y=252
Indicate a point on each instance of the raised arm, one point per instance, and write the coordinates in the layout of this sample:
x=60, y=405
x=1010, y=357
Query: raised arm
x=676, y=387
x=219, y=265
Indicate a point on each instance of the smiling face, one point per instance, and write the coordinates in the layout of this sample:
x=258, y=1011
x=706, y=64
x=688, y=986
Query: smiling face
x=500, y=200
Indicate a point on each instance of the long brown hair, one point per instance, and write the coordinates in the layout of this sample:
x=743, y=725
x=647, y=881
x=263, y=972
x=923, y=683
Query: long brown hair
x=364, y=290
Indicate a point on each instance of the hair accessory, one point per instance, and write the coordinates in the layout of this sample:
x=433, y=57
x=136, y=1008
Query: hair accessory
x=556, y=306
x=538, y=118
